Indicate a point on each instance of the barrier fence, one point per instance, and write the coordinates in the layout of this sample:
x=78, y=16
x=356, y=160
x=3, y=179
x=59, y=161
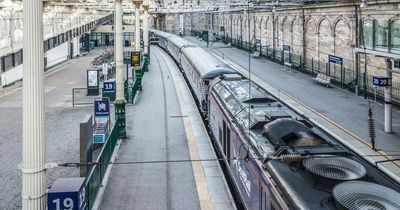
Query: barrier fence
x=95, y=178
x=82, y=96
x=345, y=77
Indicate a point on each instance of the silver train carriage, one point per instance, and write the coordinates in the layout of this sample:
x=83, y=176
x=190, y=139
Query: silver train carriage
x=175, y=46
x=200, y=67
x=162, y=38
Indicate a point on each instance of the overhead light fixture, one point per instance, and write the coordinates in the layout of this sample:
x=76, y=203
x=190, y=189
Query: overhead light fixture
x=363, y=4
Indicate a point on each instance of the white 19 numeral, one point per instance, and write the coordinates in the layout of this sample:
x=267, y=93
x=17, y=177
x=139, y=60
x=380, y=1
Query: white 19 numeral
x=68, y=204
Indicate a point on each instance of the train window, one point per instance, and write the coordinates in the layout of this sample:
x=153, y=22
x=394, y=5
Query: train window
x=228, y=144
x=220, y=135
x=224, y=138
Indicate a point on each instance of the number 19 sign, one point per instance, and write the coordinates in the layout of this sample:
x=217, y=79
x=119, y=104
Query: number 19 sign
x=67, y=194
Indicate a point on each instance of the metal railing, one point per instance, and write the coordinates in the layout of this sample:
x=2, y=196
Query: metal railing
x=80, y=96
x=96, y=175
x=345, y=77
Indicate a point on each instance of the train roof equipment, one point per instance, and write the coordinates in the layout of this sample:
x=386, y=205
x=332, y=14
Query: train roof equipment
x=309, y=166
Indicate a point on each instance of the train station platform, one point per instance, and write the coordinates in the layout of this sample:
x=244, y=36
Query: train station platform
x=343, y=114
x=165, y=131
x=61, y=123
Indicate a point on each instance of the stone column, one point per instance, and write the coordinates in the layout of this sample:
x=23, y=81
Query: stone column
x=33, y=142
x=137, y=24
x=388, y=98
x=146, y=29
x=119, y=56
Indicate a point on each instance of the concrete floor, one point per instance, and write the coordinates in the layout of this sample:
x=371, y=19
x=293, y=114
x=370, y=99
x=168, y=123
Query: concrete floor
x=61, y=127
x=344, y=108
x=165, y=125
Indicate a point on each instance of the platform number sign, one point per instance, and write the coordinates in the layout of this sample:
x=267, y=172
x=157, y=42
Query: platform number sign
x=109, y=86
x=67, y=194
x=381, y=81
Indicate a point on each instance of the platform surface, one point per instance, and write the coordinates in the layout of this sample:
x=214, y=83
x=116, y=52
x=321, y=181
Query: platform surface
x=61, y=126
x=164, y=125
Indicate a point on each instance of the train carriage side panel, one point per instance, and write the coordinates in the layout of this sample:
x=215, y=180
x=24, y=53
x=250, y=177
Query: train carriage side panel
x=247, y=175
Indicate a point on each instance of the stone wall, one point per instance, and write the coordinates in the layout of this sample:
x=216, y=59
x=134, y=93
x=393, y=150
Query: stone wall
x=312, y=32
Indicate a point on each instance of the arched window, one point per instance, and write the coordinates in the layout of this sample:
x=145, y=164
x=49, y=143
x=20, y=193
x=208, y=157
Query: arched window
x=367, y=40
x=381, y=33
x=395, y=34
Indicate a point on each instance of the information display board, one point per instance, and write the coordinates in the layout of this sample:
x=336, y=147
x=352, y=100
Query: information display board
x=135, y=59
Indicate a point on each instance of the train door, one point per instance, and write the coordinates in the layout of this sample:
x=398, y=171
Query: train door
x=264, y=202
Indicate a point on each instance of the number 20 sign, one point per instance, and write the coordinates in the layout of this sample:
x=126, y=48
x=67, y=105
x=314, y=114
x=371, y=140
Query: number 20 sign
x=67, y=194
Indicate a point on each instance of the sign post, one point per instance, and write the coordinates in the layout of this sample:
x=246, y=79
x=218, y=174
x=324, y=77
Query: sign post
x=381, y=81
x=102, y=120
x=109, y=87
x=287, y=48
x=336, y=59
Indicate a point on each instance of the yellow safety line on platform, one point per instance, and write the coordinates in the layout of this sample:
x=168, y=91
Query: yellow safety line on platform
x=199, y=176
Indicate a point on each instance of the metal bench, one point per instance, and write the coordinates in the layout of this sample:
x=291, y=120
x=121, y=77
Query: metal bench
x=288, y=66
x=256, y=54
x=323, y=79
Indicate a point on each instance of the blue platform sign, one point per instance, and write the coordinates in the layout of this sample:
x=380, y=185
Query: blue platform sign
x=101, y=107
x=335, y=59
x=286, y=48
x=109, y=86
x=381, y=81
x=67, y=194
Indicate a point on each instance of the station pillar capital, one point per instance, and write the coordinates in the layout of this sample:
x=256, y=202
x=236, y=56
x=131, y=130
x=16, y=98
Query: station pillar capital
x=145, y=7
x=137, y=3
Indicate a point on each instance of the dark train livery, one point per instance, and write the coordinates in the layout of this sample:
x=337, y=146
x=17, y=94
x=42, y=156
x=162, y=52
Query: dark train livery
x=276, y=158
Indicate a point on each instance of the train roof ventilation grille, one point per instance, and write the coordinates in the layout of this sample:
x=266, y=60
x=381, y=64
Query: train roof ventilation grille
x=335, y=168
x=359, y=195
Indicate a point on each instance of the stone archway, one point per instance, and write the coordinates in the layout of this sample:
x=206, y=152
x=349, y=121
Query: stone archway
x=325, y=42
x=297, y=37
x=311, y=41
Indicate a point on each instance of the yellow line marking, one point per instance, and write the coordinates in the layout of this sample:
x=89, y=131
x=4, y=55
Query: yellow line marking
x=199, y=176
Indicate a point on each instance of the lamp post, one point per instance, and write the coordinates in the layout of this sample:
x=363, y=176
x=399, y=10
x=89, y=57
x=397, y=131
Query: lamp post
x=120, y=96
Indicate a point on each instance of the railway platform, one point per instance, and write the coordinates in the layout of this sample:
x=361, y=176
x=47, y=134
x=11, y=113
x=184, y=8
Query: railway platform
x=153, y=169
x=340, y=112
